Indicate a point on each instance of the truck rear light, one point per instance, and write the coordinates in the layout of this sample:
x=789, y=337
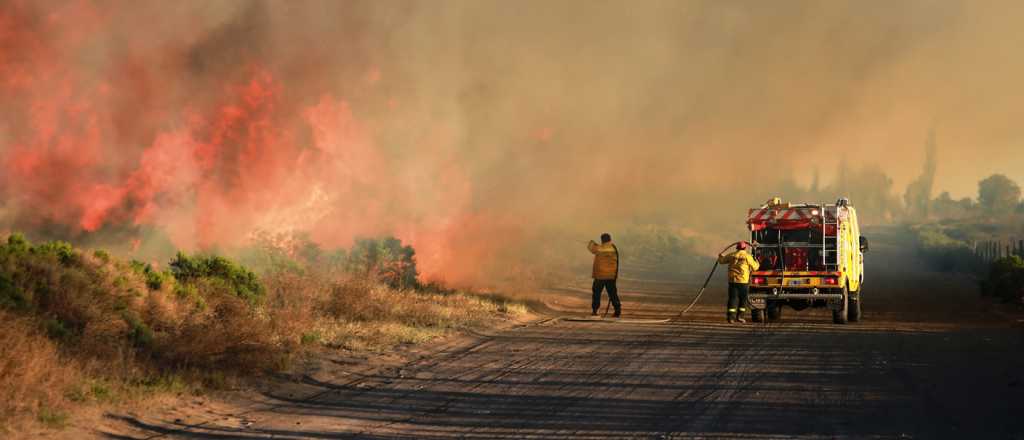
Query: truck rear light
x=759, y=280
x=829, y=280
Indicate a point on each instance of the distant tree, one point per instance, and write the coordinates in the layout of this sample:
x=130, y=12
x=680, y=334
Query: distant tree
x=870, y=190
x=997, y=194
x=944, y=206
x=919, y=192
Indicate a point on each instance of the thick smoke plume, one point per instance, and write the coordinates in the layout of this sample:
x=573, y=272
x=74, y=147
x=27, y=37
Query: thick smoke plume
x=485, y=132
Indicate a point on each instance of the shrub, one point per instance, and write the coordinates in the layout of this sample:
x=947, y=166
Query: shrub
x=60, y=249
x=139, y=333
x=943, y=252
x=227, y=334
x=17, y=243
x=1005, y=279
x=218, y=273
x=10, y=295
x=155, y=280
x=384, y=259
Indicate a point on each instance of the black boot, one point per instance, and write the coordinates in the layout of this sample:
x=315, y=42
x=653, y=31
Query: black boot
x=594, y=313
x=618, y=312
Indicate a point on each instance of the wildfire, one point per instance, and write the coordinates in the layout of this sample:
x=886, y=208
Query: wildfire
x=132, y=142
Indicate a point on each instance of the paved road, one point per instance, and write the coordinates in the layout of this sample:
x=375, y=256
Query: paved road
x=930, y=361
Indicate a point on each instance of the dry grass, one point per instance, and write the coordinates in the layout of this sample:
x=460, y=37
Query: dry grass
x=78, y=328
x=360, y=314
x=33, y=376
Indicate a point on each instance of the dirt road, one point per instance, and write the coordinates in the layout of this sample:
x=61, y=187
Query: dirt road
x=930, y=361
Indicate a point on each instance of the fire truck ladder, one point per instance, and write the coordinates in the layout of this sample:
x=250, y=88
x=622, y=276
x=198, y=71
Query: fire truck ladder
x=830, y=243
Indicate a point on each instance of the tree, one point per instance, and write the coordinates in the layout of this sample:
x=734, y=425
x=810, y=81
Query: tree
x=997, y=194
x=384, y=259
x=945, y=207
x=919, y=192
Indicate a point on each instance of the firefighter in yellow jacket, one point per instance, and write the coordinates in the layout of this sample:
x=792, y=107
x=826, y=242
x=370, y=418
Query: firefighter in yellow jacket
x=606, y=272
x=741, y=264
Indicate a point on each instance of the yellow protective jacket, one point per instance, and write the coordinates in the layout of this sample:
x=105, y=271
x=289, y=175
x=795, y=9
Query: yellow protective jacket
x=606, y=260
x=741, y=263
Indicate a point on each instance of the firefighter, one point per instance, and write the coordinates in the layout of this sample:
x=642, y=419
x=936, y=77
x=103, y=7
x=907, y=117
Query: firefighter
x=606, y=272
x=741, y=264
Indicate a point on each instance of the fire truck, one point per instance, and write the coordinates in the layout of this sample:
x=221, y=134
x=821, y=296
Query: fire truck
x=810, y=255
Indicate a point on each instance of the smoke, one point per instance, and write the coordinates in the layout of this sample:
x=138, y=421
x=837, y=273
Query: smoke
x=485, y=132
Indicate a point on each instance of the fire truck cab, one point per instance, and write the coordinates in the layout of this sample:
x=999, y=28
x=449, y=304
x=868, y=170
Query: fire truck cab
x=811, y=255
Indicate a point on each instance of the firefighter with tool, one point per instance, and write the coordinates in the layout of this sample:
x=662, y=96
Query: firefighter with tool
x=606, y=272
x=741, y=264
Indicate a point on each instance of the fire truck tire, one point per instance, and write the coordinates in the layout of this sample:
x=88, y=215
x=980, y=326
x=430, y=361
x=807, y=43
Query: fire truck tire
x=757, y=315
x=841, y=316
x=774, y=311
x=854, y=314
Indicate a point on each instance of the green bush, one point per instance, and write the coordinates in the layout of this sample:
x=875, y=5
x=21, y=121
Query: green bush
x=384, y=259
x=139, y=333
x=943, y=252
x=55, y=329
x=63, y=250
x=1005, y=279
x=52, y=280
x=10, y=296
x=154, y=279
x=219, y=273
x=17, y=243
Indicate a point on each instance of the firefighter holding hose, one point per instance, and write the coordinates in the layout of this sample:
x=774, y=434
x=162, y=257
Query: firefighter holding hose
x=606, y=273
x=741, y=264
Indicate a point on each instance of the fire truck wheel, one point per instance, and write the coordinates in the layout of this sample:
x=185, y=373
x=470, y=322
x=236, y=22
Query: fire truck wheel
x=757, y=315
x=774, y=311
x=854, y=313
x=841, y=315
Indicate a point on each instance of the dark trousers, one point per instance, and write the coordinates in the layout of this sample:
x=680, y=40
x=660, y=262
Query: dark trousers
x=613, y=294
x=737, y=299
